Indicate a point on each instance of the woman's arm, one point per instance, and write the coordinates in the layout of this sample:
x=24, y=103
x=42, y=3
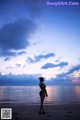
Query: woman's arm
x=46, y=92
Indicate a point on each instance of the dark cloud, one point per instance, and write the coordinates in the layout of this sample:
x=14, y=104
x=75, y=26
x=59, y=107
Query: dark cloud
x=35, y=7
x=58, y=60
x=10, y=67
x=15, y=9
x=67, y=77
x=48, y=65
x=14, y=36
x=39, y=57
x=21, y=53
x=24, y=79
x=73, y=69
x=7, y=58
x=7, y=53
x=18, y=65
x=70, y=71
x=61, y=75
x=62, y=64
x=51, y=65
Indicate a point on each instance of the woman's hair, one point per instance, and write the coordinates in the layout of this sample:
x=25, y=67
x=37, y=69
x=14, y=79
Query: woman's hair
x=41, y=79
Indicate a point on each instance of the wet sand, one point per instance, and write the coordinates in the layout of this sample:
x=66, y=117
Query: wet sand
x=53, y=112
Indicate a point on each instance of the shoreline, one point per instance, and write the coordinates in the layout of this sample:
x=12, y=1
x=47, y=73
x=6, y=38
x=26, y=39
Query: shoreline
x=37, y=104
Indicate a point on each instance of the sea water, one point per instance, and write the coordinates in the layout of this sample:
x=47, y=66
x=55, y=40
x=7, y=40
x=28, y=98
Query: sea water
x=59, y=94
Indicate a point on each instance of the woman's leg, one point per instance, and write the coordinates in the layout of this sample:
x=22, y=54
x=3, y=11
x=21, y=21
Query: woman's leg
x=41, y=105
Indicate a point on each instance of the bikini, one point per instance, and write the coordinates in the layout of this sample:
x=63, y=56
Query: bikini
x=42, y=90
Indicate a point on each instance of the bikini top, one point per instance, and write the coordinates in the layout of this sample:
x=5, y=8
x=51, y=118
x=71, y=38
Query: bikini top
x=42, y=86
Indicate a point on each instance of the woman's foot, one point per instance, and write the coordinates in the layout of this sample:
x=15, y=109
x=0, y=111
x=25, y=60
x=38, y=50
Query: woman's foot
x=43, y=112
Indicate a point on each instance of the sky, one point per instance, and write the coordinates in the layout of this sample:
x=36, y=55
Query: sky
x=39, y=38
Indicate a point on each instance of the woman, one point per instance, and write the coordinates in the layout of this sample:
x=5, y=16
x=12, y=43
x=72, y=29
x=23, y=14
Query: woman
x=42, y=94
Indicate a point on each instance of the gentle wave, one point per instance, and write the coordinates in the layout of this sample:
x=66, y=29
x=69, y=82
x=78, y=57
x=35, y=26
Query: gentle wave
x=30, y=94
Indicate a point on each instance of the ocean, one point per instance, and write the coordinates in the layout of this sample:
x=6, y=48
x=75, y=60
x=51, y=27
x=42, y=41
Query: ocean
x=59, y=94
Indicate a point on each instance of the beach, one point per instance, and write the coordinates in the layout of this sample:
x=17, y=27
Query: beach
x=53, y=112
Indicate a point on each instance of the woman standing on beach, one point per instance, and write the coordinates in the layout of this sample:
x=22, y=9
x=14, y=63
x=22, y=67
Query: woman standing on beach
x=42, y=94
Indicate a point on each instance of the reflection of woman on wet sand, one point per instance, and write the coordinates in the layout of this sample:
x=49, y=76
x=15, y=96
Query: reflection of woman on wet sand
x=42, y=94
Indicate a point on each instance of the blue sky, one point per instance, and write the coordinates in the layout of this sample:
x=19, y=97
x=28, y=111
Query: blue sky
x=36, y=38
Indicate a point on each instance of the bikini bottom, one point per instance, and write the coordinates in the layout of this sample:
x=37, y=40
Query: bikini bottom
x=41, y=92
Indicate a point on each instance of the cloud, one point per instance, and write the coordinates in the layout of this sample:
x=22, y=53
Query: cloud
x=24, y=79
x=61, y=75
x=62, y=64
x=18, y=65
x=7, y=53
x=10, y=67
x=7, y=58
x=40, y=57
x=35, y=7
x=15, y=9
x=67, y=77
x=21, y=53
x=70, y=71
x=58, y=60
x=48, y=65
x=14, y=36
x=51, y=65
x=73, y=69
